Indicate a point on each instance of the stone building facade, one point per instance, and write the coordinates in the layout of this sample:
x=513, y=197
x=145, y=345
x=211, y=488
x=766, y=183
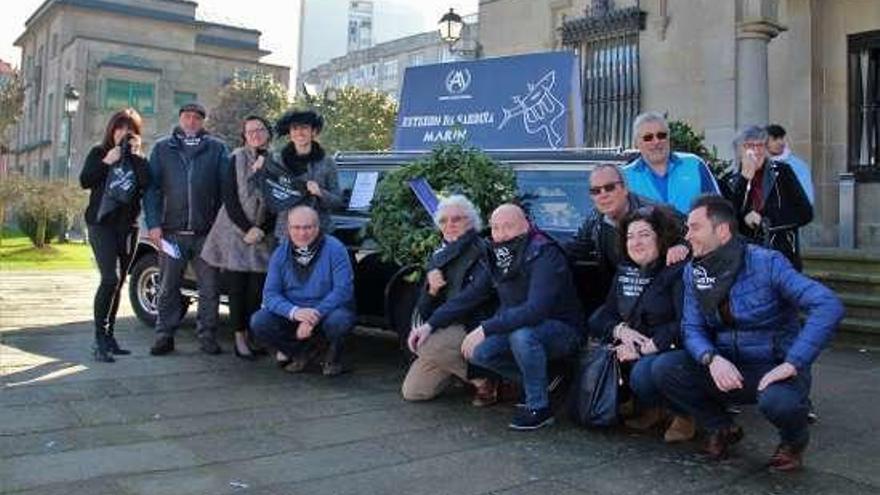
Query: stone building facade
x=810, y=65
x=381, y=66
x=152, y=55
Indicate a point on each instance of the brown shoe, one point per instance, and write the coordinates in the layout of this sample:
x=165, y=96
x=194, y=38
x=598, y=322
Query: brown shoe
x=682, y=429
x=719, y=441
x=786, y=458
x=648, y=419
x=485, y=394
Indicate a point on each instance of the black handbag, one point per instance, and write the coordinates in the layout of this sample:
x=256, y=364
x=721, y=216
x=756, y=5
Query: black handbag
x=120, y=188
x=595, y=397
x=281, y=191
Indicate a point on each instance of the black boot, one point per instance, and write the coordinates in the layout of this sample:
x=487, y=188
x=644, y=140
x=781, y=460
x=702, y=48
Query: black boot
x=101, y=349
x=113, y=346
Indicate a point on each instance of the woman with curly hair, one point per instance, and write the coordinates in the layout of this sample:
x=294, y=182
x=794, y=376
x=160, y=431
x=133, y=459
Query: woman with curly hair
x=642, y=313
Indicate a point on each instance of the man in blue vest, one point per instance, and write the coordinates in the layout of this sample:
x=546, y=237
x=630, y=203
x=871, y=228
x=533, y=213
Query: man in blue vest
x=664, y=175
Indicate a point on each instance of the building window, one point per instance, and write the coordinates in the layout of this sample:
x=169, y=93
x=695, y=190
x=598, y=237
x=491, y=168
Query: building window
x=50, y=111
x=864, y=105
x=54, y=44
x=119, y=94
x=607, y=43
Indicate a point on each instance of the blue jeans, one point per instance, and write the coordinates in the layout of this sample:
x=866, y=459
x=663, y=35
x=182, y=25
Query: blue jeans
x=641, y=382
x=691, y=389
x=524, y=353
x=280, y=333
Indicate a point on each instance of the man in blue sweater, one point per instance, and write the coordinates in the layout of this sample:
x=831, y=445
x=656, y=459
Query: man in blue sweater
x=744, y=342
x=539, y=316
x=309, y=292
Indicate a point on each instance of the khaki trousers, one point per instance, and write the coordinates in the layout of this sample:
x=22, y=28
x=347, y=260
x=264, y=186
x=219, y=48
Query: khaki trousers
x=439, y=360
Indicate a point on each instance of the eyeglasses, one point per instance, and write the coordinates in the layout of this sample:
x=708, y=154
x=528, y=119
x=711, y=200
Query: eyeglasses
x=595, y=191
x=451, y=219
x=661, y=136
x=754, y=145
x=256, y=132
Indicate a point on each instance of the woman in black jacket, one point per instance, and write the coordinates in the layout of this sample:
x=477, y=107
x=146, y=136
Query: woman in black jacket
x=642, y=313
x=771, y=203
x=112, y=221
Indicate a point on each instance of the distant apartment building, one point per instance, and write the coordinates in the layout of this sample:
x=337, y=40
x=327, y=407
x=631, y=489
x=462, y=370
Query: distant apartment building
x=152, y=55
x=381, y=66
x=330, y=29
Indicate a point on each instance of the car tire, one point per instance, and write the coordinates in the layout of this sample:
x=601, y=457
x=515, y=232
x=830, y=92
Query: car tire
x=143, y=290
x=405, y=296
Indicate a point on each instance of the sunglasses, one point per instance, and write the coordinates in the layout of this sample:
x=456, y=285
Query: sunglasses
x=452, y=219
x=595, y=191
x=661, y=136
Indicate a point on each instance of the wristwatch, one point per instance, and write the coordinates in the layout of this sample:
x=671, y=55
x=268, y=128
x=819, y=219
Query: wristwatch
x=707, y=357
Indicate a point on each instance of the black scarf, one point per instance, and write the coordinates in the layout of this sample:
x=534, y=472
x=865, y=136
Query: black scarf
x=450, y=251
x=297, y=164
x=189, y=142
x=509, y=255
x=304, y=257
x=632, y=281
x=715, y=273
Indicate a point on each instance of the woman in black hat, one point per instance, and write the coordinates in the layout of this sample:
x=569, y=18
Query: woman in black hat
x=112, y=225
x=306, y=173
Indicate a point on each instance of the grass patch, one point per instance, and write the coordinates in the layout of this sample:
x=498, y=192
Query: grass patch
x=17, y=253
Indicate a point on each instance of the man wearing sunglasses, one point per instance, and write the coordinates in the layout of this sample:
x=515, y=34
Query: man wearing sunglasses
x=597, y=239
x=660, y=174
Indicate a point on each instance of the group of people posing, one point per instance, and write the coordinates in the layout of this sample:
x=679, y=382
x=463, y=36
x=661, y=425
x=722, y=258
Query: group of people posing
x=704, y=291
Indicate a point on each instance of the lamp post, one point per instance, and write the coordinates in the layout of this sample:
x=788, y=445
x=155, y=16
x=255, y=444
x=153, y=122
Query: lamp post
x=451, y=26
x=71, y=105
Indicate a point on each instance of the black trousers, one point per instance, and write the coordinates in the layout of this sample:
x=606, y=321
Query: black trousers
x=245, y=295
x=113, y=246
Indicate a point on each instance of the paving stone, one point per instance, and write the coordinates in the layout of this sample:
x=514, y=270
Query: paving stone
x=30, y=471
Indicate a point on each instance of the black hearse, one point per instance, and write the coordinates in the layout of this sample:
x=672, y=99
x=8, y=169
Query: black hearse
x=553, y=185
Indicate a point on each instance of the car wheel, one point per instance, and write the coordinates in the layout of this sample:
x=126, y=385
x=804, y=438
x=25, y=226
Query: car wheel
x=143, y=288
x=405, y=295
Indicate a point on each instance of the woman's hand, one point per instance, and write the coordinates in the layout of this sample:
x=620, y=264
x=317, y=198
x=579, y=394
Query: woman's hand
x=136, y=145
x=749, y=165
x=112, y=156
x=314, y=188
x=258, y=163
x=753, y=219
x=628, y=336
x=649, y=347
x=435, y=282
x=626, y=352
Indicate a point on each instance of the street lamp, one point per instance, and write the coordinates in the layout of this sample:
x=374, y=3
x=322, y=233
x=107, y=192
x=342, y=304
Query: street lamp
x=451, y=26
x=71, y=105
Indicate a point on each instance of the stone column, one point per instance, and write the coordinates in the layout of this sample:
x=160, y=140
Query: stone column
x=756, y=25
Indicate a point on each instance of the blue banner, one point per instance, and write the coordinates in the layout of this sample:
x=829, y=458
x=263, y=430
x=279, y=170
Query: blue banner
x=524, y=101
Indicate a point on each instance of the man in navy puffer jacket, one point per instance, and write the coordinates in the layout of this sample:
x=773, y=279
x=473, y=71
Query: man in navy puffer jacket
x=744, y=341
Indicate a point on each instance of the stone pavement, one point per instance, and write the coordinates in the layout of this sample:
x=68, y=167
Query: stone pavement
x=190, y=423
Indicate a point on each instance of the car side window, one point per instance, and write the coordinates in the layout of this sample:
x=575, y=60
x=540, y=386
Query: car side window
x=555, y=199
x=360, y=182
